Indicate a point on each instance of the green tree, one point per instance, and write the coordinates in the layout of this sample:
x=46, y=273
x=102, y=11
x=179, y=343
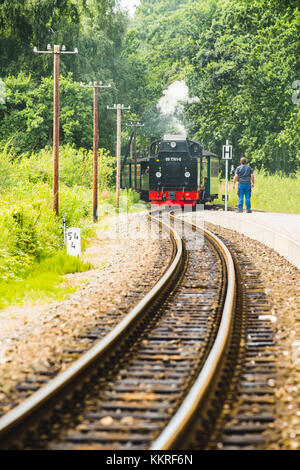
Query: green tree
x=239, y=58
x=96, y=29
x=27, y=116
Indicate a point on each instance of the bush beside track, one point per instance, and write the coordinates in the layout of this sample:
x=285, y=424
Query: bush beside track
x=32, y=254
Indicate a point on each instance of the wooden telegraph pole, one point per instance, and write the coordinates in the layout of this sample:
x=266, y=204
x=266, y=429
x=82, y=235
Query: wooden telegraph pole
x=95, y=155
x=56, y=130
x=118, y=108
x=56, y=51
x=95, y=146
x=135, y=125
x=118, y=154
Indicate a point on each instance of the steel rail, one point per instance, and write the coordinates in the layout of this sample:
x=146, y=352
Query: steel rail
x=175, y=431
x=27, y=411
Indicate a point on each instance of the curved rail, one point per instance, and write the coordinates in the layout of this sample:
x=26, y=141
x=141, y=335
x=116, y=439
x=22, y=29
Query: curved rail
x=175, y=431
x=27, y=412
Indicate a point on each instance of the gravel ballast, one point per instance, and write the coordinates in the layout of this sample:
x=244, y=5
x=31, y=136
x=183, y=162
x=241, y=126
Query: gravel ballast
x=281, y=281
x=34, y=338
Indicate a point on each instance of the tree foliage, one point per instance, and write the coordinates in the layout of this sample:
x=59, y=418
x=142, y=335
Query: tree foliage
x=240, y=58
x=96, y=29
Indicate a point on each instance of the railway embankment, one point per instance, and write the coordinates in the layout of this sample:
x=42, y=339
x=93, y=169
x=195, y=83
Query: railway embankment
x=281, y=232
x=34, y=338
x=141, y=377
x=265, y=412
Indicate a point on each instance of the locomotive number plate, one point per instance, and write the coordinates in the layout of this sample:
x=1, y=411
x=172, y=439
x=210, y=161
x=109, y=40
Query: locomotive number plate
x=173, y=159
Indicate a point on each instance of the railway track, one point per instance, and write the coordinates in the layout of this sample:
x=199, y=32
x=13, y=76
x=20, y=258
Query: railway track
x=153, y=381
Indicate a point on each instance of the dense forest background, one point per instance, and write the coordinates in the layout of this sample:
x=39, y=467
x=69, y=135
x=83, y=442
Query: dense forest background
x=239, y=61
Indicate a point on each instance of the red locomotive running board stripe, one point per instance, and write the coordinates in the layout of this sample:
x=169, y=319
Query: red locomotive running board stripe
x=173, y=197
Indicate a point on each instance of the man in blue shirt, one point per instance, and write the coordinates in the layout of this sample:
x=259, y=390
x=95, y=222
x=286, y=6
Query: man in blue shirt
x=244, y=175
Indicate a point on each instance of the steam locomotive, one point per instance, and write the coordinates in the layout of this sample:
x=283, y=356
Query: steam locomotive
x=177, y=172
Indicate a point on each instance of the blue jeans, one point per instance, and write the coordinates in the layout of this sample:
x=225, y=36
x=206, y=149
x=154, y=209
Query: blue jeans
x=244, y=190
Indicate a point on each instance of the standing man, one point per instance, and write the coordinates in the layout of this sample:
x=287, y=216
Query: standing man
x=244, y=175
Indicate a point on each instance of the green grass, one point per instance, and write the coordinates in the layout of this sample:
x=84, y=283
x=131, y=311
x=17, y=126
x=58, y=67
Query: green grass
x=130, y=202
x=44, y=284
x=274, y=193
x=32, y=256
x=63, y=264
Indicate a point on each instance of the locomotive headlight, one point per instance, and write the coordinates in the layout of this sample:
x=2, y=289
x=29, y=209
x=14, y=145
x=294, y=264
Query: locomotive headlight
x=173, y=144
x=158, y=174
x=187, y=174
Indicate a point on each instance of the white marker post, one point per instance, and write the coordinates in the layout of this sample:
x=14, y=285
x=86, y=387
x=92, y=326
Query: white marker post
x=73, y=241
x=226, y=155
x=64, y=229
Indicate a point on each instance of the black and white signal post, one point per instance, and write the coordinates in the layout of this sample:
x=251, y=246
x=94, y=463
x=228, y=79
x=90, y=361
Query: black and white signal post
x=226, y=155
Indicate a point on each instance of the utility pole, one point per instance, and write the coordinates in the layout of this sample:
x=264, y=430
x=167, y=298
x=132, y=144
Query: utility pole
x=95, y=145
x=135, y=125
x=118, y=108
x=56, y=51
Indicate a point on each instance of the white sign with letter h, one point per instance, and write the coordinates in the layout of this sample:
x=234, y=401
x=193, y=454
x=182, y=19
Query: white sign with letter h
x=227, y=152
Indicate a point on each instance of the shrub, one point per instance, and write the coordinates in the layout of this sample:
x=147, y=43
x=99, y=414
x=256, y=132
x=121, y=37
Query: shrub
x=31, y=236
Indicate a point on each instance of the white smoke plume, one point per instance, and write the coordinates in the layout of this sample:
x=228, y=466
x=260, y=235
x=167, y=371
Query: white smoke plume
x=172, y=103
x=130, y=5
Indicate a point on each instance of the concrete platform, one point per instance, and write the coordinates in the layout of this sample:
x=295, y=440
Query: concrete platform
x=278, y=231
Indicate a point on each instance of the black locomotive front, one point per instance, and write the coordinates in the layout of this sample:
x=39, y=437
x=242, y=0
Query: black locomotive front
x=173, y=171
x=177, y=172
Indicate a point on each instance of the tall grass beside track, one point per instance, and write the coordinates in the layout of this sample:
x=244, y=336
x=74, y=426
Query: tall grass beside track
x=32, y=254
x=272, y=193
x=33, y=259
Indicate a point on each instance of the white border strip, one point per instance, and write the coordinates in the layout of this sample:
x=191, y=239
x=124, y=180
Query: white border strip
x=284, y=245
